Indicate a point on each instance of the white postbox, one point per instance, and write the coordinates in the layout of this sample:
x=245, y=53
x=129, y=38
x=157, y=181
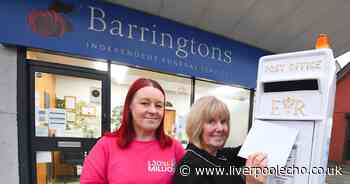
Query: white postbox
x=298, y=90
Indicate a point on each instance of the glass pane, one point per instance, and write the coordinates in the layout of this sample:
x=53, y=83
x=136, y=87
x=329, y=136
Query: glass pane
x=61, y=59
x=67, y=106
x=58, y=167
x=237, y=100
x=178, y=94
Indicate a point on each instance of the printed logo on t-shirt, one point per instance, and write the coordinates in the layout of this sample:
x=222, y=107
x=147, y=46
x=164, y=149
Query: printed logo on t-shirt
x=161, y=166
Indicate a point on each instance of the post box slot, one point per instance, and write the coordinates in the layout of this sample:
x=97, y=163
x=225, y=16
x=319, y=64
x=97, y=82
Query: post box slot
x=298, y=85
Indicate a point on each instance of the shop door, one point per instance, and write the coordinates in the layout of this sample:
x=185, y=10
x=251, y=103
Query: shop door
x=68, y=115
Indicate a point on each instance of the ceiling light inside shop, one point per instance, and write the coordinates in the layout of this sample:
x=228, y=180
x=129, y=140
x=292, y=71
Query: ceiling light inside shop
x=118, y=73
x=229, y=92
x=102, y=66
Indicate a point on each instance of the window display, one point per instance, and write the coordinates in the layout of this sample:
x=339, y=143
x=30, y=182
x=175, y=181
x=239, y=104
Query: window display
x=67, y=106
x=58, y=167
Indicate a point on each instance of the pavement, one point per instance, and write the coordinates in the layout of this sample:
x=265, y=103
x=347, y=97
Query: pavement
x=339, y=179
x=344, y=179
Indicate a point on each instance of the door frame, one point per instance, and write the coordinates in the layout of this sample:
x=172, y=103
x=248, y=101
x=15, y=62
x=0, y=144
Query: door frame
x=28, y=143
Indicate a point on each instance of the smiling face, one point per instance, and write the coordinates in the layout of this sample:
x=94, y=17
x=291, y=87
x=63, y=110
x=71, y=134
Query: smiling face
x=215, y=133
x=147, y=109
x=208, y=124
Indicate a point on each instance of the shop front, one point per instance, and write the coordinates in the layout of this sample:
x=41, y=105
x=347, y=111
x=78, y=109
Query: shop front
x=76, y=61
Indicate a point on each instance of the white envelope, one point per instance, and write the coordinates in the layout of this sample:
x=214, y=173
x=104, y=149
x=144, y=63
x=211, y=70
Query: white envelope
x=270, y=138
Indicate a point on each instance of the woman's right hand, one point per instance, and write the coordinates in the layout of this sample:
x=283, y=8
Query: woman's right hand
x=256, y=162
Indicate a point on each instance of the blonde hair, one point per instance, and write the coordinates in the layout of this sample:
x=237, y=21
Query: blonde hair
x=204, y=110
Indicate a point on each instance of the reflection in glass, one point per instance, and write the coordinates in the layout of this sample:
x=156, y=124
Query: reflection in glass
x=59, y=167
x=46, y=56
x=178, y=94
x=237, y=100
x=67, y=106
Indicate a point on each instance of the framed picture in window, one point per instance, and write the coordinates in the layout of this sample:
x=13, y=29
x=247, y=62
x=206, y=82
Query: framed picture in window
x=70, y=102
x=70, y=116
x=88, y=110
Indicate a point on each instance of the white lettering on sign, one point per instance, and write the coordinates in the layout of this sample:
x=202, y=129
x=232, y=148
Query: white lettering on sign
x=288, y=106
x=292, y=67
x=151, y=34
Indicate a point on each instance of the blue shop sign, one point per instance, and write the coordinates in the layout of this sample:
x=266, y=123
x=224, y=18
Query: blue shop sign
x=102, y=30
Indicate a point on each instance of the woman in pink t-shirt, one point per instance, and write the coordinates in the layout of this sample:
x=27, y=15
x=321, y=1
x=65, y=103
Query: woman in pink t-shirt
x=139, y=151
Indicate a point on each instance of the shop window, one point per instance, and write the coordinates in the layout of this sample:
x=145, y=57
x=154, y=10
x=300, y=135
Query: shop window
x=59, y=167
x=178, y=94
x=67, y=106
x=237, y=100
x=36, y=55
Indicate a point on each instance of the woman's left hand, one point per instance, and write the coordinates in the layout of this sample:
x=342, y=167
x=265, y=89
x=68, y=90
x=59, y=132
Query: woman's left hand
x=256, y=162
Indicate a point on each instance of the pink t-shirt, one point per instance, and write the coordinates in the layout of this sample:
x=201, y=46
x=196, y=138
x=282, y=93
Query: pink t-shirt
x=142, y=162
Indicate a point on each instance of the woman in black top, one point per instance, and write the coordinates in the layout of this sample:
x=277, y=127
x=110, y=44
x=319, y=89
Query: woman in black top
x=206, y=161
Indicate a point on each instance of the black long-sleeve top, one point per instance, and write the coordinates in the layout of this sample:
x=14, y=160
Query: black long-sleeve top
x=199, y=167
